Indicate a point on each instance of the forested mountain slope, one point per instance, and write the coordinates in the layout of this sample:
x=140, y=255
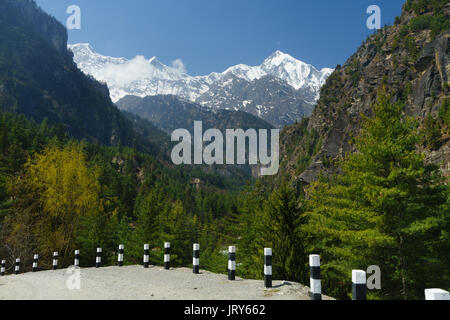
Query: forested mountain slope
x=364, y=181
x=39, y=78
x=77, y=173
x=409, y=58
x=168, y=113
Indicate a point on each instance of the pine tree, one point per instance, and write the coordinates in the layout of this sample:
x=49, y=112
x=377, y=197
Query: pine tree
x=180, y=229
x=149, y=206
x=251, y=245
x=385, y=208
x=273, y=223
x=282, y=221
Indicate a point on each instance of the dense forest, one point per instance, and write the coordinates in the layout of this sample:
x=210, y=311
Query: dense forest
x=386, y=205
x=59, y=194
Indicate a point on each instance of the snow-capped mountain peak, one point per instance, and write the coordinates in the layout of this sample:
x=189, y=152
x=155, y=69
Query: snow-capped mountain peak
x=83, y=47
x=278, y=57
x=149, y=77
x=296, y=73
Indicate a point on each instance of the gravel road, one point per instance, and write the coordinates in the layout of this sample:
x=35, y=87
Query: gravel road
x=137, y=283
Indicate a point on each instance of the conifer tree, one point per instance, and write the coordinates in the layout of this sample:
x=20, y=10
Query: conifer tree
x=385, y=208
x=282, y=220
x=180, y=229
x=273, y=223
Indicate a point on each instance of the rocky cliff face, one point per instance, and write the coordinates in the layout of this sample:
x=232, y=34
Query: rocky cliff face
x=268, y=98
x=39, y=79
x=411, y=60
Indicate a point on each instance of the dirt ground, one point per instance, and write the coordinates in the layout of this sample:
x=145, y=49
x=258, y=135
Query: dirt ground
x=137, y=283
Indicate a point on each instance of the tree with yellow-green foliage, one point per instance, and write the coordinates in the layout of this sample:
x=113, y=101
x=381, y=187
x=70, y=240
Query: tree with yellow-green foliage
x=51, y=198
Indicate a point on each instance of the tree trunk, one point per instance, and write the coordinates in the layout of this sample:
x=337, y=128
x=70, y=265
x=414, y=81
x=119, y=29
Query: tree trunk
x=403, y=270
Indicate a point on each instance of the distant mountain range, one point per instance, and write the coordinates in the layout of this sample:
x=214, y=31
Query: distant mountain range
x=39, y=79
x=169, y=112
x=281, y=90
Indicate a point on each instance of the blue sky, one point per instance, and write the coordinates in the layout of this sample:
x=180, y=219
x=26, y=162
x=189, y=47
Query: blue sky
x=211, y=35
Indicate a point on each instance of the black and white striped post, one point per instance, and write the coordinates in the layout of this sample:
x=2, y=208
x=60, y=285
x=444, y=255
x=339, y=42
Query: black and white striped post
x=120, y=255
x=314, y=280
x=55, y=260
x=268, y=267
x=359, y=285
x=436, y=294
x=76, y=262
x=231, y=263
x=3, y=268
x=146, y=255
x=17, y=266
x=196, y=259
x=98, y=258
x=167, y=255
x=35, y=263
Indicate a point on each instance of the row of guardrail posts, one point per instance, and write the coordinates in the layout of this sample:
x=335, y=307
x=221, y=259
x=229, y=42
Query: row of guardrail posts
x=359, y=282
